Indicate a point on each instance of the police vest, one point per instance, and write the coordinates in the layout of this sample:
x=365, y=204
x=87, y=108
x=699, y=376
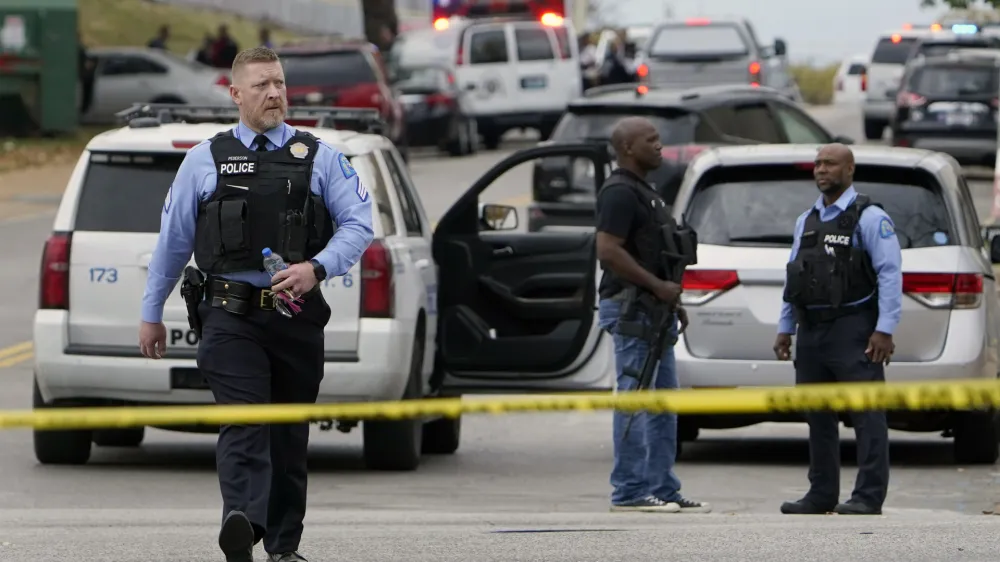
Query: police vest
x=829, y=270
x=261, y=200
x=658, y=242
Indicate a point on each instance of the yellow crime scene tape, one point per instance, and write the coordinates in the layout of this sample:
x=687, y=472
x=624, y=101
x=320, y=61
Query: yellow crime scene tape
x=932, y=395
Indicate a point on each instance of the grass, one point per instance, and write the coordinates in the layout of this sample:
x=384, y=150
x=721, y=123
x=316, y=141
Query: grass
x=108, y=23
x=816, y=84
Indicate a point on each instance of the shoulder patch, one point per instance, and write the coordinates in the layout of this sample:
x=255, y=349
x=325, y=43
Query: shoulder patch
x=166, y=200
x=885, y=228
x=361, y=190
x=347, y=168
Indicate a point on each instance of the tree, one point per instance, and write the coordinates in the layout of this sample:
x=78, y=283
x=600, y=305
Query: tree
x=961, y=4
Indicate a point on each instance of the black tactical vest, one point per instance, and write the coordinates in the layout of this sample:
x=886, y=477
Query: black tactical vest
x=261, y=200
x=656, y=236
x=829, y=270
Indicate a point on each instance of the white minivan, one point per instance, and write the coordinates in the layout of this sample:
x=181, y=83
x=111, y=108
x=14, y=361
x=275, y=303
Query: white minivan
x=520, y=72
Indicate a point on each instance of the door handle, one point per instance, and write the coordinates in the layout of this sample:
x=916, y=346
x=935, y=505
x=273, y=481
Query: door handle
x=505, y=251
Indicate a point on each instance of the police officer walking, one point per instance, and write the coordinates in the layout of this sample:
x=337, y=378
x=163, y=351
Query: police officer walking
x=261, y=184
x=631, y=217
x=844, y=291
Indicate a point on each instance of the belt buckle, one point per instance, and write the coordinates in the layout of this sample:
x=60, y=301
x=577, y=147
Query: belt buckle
x=267, y=299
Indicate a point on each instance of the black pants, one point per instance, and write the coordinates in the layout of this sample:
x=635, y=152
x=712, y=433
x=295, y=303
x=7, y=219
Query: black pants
x=835, y=352
x=259, y=358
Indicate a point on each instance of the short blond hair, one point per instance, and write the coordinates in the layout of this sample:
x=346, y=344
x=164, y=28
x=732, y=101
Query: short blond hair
x=252, y=55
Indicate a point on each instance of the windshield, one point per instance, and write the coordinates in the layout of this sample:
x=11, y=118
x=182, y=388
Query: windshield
x=954, y=81
x=423, y=47
x=342, y=68
x=764, y=212
x=697, y=40
x=597, y=124
x=887, y=52
x=940, y=49
x=125, y=192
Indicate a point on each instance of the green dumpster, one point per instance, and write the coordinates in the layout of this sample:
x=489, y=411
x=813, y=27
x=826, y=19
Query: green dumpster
x=39, y=85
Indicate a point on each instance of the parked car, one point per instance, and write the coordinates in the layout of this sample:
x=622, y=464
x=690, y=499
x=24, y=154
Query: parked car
x=688, y=120
x=344, y=74
x=128, y=75
x=435, y=109
x=744, y=202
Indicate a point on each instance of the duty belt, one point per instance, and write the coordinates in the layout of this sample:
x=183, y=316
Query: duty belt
x=813, y=316
x=239, y=297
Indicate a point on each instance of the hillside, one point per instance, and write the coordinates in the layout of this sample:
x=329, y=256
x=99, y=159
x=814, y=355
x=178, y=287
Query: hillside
x=105, y=23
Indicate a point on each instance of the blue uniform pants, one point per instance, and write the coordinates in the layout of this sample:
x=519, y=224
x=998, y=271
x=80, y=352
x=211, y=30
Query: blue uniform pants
x=644, y=461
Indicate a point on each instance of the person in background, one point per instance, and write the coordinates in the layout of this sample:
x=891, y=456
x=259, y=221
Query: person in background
x=615, y=69
x=225, y=49
x=160, y=41
x=206, y=53
x=264, y=38
x=86, y=67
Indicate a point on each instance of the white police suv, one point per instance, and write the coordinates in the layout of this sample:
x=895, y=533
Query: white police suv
x=511, y=311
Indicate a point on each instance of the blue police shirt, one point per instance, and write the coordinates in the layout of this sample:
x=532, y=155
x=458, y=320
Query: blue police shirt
x=346, y=199
x=878, y=238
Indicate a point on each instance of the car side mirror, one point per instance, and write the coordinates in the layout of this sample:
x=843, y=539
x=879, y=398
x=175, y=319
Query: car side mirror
x=991, y=234
x=780, y=48
x=497, y=217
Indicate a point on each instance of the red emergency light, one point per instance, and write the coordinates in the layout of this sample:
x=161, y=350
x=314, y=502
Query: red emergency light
x=549, y=12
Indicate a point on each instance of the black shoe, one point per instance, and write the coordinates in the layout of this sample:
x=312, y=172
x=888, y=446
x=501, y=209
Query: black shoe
x=856, y=507
x=236, y=537
x=286, y=557
x=803, y=507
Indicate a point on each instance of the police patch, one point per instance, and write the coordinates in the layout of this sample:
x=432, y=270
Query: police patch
x=361, y=190
x=885, y=228
x=347, y=168
x=237, y=168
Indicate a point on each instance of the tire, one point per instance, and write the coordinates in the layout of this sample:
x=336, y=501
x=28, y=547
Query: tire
x=491, y=140
x=61, y=446
x=396, y=445
x=442, y=436
x=874, y=129
x=977, y=438
x=120, y=437
x=460, y=145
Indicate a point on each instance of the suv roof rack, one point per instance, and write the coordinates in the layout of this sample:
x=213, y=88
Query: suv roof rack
x=144, y=115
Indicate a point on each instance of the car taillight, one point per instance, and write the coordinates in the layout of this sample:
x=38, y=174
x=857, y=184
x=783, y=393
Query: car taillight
x=223, y=81
x=945, y=290
x=754, y=73
x=703, y=285
x=681, y=153
x=377, y=300
x=439, y=99
x=53, y=285
x=864, y=82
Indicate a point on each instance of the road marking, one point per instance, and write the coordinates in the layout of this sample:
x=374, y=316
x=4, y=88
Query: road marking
x=518, y=201
x=10, y=356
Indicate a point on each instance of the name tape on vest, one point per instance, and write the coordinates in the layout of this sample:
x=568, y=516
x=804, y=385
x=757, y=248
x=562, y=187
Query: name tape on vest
x=237, y=168
x=837, y=239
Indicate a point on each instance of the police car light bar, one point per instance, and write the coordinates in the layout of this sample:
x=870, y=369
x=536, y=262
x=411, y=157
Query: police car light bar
x=551, y=11
x=155, y=114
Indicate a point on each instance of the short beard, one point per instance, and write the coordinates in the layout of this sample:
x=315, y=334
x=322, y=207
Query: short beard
x=267, y=121
x=833, y=187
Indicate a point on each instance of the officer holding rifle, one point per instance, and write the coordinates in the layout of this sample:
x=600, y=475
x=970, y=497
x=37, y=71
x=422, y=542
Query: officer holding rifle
x=643, y=254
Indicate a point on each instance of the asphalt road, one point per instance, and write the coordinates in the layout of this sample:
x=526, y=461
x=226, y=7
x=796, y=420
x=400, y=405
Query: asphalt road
x=523, y=487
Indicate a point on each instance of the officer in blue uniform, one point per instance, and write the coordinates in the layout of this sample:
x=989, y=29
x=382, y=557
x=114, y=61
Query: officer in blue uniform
x=844, y=290
x=261, y=184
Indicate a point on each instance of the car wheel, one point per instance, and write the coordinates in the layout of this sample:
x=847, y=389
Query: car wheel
x=874, y=129
x=396, y=445
x=977, y=438
x=61, y=446
x=459, y=146
x=120, y=437
x=442, y=436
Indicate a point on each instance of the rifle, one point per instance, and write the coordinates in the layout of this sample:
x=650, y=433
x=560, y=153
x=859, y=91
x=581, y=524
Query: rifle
x=680, y=251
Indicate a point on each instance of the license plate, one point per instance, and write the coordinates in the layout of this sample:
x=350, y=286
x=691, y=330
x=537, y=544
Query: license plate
x=962, y=119
x=533, y=83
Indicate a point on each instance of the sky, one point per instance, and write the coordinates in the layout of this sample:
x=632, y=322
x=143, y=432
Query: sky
x=823, y=31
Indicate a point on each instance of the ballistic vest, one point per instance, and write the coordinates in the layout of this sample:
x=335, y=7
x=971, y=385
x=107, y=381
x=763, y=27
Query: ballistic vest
x=829, y=270
x=261, y=200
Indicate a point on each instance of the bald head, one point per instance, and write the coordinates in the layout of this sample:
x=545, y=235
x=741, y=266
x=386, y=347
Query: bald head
x=637, y=145
x=834, y=171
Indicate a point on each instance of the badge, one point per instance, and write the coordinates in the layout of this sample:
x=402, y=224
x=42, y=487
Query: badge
x=885, y=228
x=299, y=150
x=361, y=190
x=347, y=168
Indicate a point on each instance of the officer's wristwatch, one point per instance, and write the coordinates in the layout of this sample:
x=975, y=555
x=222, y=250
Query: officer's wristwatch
x=318, y=270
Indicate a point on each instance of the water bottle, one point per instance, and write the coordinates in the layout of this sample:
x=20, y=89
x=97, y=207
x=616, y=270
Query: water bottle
x=273, y=262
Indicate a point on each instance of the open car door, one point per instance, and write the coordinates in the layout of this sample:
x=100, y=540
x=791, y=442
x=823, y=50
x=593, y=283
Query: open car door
x=517, y=309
